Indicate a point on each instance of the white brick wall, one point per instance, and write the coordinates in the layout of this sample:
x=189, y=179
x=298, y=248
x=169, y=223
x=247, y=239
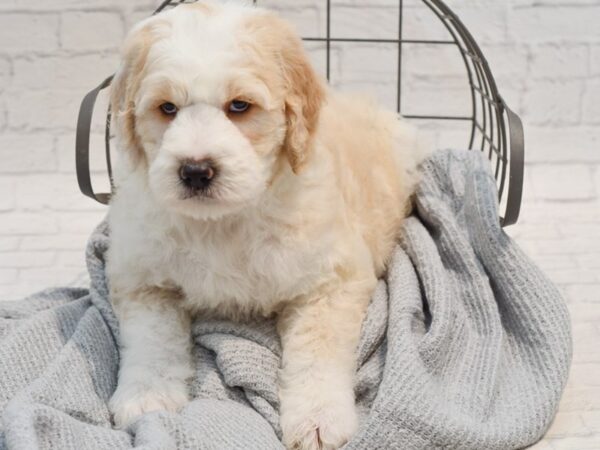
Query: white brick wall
x=546, y=58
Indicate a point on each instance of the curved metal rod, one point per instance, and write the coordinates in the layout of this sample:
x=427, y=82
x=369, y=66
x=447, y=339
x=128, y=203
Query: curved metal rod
x=486, y=85
x=517, y=165
x=517, y=146
x=82, y=143
x=435, y=7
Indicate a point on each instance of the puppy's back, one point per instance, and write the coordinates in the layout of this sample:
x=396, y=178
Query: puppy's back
x=376, y=158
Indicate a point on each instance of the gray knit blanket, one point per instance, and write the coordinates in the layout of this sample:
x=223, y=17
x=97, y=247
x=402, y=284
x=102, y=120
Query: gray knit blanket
x=466, y=345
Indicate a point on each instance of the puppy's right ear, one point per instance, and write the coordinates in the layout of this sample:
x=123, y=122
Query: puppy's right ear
x=125, y=85
x=305, y=95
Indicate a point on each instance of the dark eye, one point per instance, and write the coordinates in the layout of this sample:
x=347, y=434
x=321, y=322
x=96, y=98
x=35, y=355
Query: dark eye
x=238, y=106
x=168, y=108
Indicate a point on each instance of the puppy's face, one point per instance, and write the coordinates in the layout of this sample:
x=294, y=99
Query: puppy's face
x=210, y=102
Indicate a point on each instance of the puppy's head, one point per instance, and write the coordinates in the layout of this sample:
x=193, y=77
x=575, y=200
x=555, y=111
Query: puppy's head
x=209, y=99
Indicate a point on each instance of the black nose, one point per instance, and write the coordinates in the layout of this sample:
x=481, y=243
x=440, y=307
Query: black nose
x=197, y=175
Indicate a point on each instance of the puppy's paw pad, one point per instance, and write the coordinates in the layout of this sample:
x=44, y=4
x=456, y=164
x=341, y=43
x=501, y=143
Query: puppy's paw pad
x=328, y=428
x=130, y=402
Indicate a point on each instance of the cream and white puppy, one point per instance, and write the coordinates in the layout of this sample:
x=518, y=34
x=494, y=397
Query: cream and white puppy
x=247, y=188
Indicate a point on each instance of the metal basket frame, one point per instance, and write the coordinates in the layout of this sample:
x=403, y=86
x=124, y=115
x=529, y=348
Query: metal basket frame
x=495, y=129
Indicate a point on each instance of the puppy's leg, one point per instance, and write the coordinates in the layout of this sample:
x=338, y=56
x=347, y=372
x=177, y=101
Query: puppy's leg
x=319, y=336
x=155, y=354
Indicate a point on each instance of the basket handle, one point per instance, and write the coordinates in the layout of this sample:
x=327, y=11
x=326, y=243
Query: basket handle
x=82, y=144
x=82, y=137
x=516, y=168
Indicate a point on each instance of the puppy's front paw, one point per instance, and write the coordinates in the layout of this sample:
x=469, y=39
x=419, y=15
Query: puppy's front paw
x=320, y=425
x=131, y=400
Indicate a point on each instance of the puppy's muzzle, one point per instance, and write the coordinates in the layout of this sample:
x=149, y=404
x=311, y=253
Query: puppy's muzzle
x=197, y=175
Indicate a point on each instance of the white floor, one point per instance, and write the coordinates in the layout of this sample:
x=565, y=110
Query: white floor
x=564, y=239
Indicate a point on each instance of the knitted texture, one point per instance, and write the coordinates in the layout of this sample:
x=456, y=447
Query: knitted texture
x=466, y=345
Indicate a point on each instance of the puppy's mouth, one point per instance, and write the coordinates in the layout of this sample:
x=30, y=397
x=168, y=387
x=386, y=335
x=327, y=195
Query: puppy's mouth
x=208, y=193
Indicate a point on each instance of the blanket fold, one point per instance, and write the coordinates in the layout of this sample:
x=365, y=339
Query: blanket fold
x=466, y=345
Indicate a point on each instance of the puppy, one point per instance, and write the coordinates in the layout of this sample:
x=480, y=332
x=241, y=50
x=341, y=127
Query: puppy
x=247, y=188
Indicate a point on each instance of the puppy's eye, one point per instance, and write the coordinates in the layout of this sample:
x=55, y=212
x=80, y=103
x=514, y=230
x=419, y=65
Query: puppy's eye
x=238, y=106
x=168, y=108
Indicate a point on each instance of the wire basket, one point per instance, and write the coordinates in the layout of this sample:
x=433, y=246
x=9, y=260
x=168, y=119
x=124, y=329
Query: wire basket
x=494, y=128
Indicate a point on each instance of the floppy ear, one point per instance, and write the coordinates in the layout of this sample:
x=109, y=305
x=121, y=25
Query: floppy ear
x=305, y=94
x=124, y=88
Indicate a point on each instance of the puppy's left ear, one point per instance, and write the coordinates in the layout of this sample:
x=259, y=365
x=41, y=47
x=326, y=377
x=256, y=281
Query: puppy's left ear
x=305, y=95
x=126, y=83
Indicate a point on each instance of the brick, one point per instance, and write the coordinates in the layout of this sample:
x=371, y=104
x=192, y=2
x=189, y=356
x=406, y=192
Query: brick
x=584, y=332
x=524, y=230
x=28, y=33
x=27, y=223
x=50, y=109
x=26, y=259
x=366, y=61
x=555, y=23
x=41, y=278
x=553, y=103
x=486, y=20
x=26, y=153
x=71, y=259
x=8, y=276
x=584, y=293
x=7, y=194
x=586, y=351
x=591, y=419
x=81, y=71
x=559, y=61
x=591, y=102
x=578, y=398
x=589, y=260
x=432, y=100
x=9, y=243
x=63, y=241
x=3, y=116
x=560, y=213
x=91, y=31
x=18, y=291
x=569, y=245
x=80, y=222
x=595, y=60
x=420, y=23
x=61, y=5
x=57, y=192
x=350, y=21
x=575, y=182
x=555, y=262
x=585, y=374
x=581, y=230
x=307, y=16
x=383, y=93
x=567, y=424
x=508, y=62
x=4, y=72
x=582, y=313
x=542, y=445
x=431, y=61
x=566, y=276
x=576, y=442
x=562, y=144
